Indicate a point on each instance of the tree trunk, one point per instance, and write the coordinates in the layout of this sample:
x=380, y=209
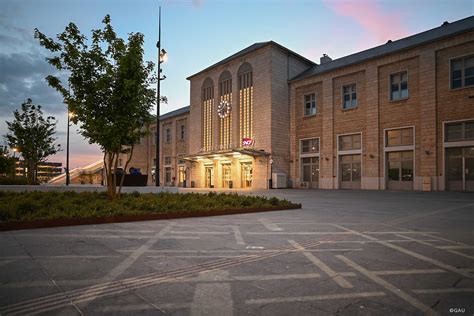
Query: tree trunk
x=110, y=175
x=125, y=170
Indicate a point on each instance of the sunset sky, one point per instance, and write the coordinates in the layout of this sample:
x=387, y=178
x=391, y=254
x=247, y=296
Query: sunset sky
x=197, y=34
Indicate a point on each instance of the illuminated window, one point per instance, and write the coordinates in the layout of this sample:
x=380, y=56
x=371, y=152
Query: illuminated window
x=207, y=113
x=225, y=124
x=310, y=146
x=245, y=101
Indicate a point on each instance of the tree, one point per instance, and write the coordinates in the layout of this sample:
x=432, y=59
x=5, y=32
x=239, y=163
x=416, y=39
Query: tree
x=33, y=136
x=7, y=163
x=108, y=89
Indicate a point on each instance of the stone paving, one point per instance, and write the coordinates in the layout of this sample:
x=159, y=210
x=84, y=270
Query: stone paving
x=345, y=252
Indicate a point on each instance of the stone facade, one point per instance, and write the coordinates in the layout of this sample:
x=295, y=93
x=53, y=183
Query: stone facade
x=378, y=122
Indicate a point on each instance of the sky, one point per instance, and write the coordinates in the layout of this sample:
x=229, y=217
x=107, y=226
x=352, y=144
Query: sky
x=196, y=34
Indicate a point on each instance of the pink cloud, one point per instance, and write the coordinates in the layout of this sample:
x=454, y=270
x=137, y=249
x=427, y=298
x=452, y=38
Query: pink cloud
x=379, y=25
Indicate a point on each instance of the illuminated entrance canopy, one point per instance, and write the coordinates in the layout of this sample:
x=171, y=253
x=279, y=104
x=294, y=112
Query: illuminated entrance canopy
x=227, y=154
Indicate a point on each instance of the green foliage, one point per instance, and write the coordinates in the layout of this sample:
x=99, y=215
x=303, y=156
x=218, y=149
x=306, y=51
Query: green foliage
x=33, y=135
x=108, y=88
x=13, y=181
x=7, y=163
x=28, y=206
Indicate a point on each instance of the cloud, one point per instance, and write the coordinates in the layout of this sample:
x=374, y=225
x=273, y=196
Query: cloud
x=377, y=24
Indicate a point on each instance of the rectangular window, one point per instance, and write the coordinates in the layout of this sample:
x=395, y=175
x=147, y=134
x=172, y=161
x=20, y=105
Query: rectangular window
x=183, y=132
x=167, y=160
x=168, y=174
x=349, y=142
x=349, y=96
x=462, y=72
x=310, y=146
x=154, y=138
x=310, y=104
x=399, y=86
x=168, y=135
x=459, y=131
x=399, y=137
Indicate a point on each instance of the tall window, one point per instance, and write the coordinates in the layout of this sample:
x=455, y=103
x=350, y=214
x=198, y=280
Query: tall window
x=207, y=113
x=310, y=104
x=182, y=132
x=399, y=86
x=462, y=72
x=349, y=96
x=225, y=123
x=245, y=101
x=168, y=135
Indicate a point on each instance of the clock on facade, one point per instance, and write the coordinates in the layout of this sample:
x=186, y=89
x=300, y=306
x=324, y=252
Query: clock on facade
x=223, y=109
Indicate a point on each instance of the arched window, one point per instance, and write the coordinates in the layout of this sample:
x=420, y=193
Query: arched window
x=207, y=113
x=225, y=112
x=245, y=101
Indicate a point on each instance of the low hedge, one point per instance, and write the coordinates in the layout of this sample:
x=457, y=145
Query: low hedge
x=13, y=181
x=35, y=205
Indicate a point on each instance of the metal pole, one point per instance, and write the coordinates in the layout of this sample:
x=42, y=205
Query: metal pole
x=67, y=148
x=158, y=45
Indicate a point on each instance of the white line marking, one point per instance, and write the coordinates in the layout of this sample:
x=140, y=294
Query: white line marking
x=415, y=271
x=325, y=268
x=412, y=253
x=276, y=277
x=448, y=290
x=198, y=233
x=141, y=307
x=238, y=235
x=269, y=225
x=313, y=298
x=456, y=247
x=389, y=287
x=332, y=233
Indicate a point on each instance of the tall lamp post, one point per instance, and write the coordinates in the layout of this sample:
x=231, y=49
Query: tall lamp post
x=162, y=56
x=69, y=116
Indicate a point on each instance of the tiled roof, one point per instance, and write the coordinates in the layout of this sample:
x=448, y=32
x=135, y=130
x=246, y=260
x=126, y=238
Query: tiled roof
x=177, y=112
x=443, y=31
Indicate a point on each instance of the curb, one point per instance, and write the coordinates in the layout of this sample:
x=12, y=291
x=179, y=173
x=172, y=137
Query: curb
x=47, y=223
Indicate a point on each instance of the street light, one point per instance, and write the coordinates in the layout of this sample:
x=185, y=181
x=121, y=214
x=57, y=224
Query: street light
x=70, y=115
x=162, y=57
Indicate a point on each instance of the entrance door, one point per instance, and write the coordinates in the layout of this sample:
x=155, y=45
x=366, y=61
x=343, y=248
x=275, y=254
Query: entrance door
x=246, y=175
x=226, y=176
x=181, y=175
x=400, y=170
x=350, y=171
x=209, y=172
x=460, y=169
x=310, y=171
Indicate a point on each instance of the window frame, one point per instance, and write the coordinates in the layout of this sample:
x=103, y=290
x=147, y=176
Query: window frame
x=349, y=151
x=165, y=162
x=315, y=104
x=390, y=75
x=182, y=132
x=451, y=60
x=463, y=131
x=167, y=135
x=309, y=154
x=350, y=94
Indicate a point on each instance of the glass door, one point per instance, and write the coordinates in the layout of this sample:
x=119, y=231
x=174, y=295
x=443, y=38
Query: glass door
x=226, y=176
x=310, y=171
x=247, y=175
x=209, y=172
x=350, y=171
x=460, y=169
x=400, y=170
x=181, y=175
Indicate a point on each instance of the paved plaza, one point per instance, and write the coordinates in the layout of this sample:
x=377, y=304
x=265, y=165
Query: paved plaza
x=344, y=252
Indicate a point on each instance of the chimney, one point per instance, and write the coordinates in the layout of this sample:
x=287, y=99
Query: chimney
x=325, y=59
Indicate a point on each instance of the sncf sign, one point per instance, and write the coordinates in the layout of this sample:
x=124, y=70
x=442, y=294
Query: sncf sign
x=247, y=141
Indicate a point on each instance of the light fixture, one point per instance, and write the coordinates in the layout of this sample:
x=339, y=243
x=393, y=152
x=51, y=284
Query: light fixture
x=163, y=56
